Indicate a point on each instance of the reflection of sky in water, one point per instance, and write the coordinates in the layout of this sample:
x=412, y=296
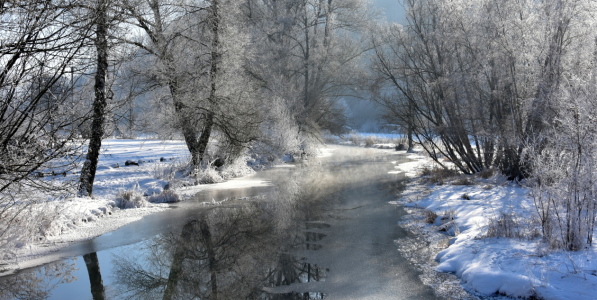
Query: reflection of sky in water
x=65, y=279
x=82, y=286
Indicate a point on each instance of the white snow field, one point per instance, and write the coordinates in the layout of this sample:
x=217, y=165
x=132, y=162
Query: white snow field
x=517, y=267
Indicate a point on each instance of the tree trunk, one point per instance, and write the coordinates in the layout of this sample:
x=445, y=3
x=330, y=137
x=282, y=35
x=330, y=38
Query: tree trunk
x=411, y=125
x=204, y=138
x=100, y=102
x=411, y=144
x=189, y=129
x=306, y=57
x=214, y=73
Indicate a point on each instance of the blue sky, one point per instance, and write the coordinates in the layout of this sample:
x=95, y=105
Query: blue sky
x=392, y=9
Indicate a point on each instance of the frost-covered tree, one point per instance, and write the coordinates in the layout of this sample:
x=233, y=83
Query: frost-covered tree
x=477, y=98
x=39, y=43
x=199, y=51
x=562, y=152
x=420, y=70
x=308, y=55
x=564, y=176
x=506, y=84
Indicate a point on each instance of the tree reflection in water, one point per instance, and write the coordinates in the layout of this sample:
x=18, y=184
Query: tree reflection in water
x=95, y=276
x=229, y=252
x=37, y=283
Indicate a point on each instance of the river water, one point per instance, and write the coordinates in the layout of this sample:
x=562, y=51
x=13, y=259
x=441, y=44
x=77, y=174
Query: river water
x=323, y=230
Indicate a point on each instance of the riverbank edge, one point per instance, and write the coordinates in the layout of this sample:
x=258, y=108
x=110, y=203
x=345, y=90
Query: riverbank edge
x=90, y=217
x=107, y=218
x=423, y=243
x=459, y=224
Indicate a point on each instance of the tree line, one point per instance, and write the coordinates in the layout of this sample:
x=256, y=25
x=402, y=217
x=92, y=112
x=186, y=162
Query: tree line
x=225, y=76
x=504, y=85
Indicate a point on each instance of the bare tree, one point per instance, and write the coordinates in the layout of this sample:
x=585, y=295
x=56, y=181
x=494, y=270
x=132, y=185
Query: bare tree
x=564, y=179
x=417, y=64
x=481, y=102
x=563, y=131
x=309, y=54
x=199, y=51
x=39, y=44
x=456, y=71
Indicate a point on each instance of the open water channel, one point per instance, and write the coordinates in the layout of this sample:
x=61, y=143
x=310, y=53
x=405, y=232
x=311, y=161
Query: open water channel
x=323, y=230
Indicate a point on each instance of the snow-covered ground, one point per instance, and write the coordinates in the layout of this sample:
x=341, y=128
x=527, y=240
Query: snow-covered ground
x=368, y=139
x=113, y=175
x=75, y=219
x=466, y=212
x=378, y=135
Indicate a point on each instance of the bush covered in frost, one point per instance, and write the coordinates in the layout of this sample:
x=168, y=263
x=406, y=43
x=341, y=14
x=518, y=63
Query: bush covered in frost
x=208, y=175
x=130, y=199
x=237, y=168
x=166, y=196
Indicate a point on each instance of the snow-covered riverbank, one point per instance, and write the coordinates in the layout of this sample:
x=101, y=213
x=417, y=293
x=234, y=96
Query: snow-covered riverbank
x=465, y=220
x=62, y=222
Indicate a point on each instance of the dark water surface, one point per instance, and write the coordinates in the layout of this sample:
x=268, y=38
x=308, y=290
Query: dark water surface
x=324, y=230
